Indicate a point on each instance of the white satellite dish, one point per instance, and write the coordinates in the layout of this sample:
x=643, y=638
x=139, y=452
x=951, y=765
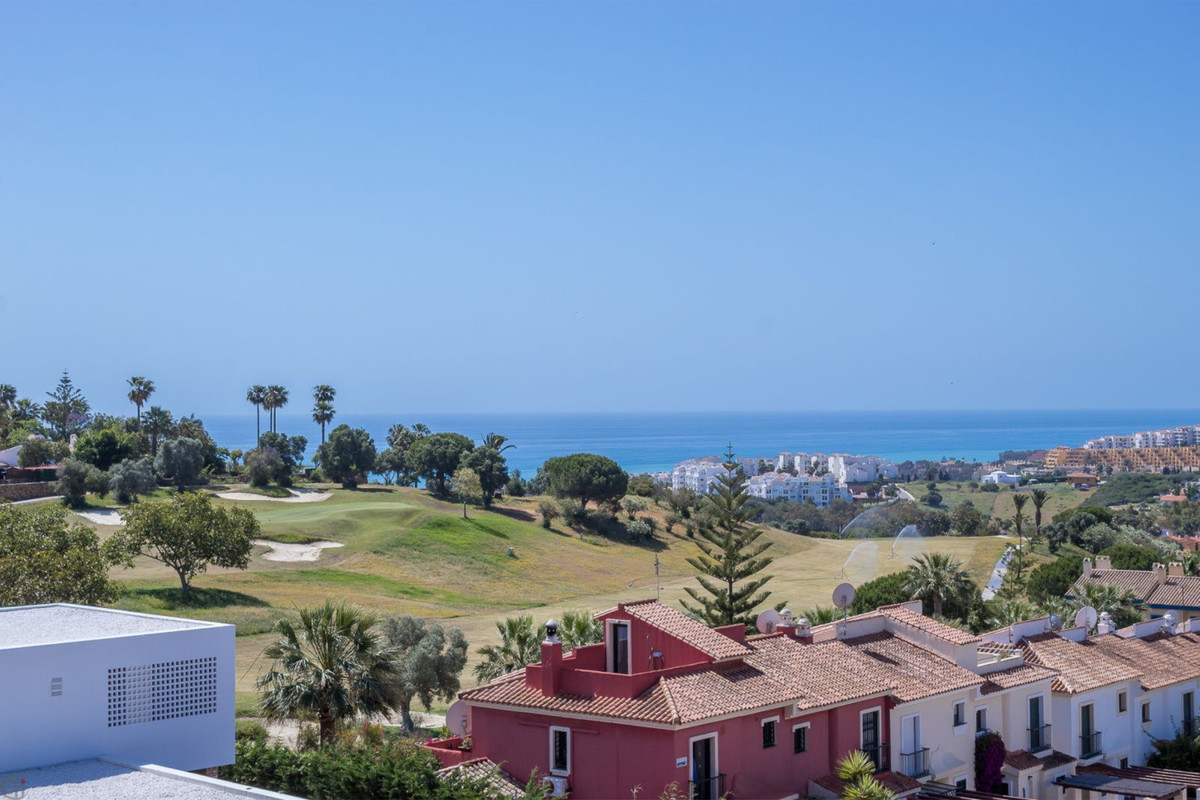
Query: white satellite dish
x=767, y=621
x=1086, y=618
x=843, y=595
x=457, y=716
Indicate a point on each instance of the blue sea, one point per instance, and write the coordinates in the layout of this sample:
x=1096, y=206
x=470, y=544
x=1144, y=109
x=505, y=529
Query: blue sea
x=651, y=442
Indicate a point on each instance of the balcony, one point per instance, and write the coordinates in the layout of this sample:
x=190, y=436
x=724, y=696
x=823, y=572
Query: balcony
x=879, y=757
x=1039, y=738
x=915, y=764
x=708, y=788
x=1089, y=745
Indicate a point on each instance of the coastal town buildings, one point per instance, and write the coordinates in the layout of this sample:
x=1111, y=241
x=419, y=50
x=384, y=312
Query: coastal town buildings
x=1182, y=436
x=1149, y=459
x=1001, y=477
x=1158, y=591
x=801, y=488
x=818, y=477
x=700, y=474
x=860, y=469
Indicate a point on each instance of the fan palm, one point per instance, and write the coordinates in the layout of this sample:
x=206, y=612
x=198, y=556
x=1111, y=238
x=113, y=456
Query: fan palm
x=279, y=399
x=257, y=394
x=8, y=395
x=497, y=442
x=322, y=414
x=1040, y=496
x=1119, y=603
x=858, y=771
x=1002, y=613
x=820, y=615
x=579, y=628
x=140, y=390
x=1019, y=502
x=937, y=577
x=519, y=645
x=332, y=663
x=158, y=423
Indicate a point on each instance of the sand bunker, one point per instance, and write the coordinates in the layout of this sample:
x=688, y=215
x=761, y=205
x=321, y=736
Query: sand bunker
x=294, y=552
x=297, y=496
x=106, y=516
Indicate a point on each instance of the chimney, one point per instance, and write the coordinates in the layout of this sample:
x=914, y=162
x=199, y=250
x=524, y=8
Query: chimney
x=1103, y=562
x=1175, y=569
x=1087, y=568
x=1160, y=574
x=551, y=660
x=1105, y=625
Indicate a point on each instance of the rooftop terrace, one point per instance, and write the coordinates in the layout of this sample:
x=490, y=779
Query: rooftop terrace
x=22, y=626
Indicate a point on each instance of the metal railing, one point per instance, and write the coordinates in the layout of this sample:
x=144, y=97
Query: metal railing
x=1089, y=745
x=708, y=788
x=879, y=757
x=1039, y=738
x=916, y=763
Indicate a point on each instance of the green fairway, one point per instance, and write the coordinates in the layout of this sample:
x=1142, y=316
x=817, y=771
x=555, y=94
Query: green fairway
x=999, y=504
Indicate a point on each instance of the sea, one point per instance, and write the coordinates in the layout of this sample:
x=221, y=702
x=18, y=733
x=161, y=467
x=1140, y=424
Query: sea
x=654, y=442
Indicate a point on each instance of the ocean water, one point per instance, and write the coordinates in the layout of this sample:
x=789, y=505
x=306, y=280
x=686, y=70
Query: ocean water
x=651, y=442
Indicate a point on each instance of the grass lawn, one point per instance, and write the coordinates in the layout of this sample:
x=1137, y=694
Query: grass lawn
x=999, y=504
x=406, y=553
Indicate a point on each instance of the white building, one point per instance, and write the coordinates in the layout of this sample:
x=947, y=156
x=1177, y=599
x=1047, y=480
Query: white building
x=798, y=488
x=1001, y=477
x=860, y=469
x=700, y=474
x=83, y=683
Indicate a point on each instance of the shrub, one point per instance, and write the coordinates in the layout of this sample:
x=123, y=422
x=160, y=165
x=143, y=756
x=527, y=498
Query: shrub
x=75, y=480
x=549, y=512
x=990, y=487
x=265, y=465
x=633, y=506
x=639, y=529
x=250, y=731
x=130, y=478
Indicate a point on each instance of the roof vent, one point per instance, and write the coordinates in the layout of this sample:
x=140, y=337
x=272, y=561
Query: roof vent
x=551, y=631
x=1055, y=622
x=56, y=687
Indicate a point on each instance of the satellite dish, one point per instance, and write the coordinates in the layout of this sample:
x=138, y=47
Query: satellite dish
x=457, y=716
x=1086, y=618
x=1055, y=622
x=767, y=621
x=843, y=595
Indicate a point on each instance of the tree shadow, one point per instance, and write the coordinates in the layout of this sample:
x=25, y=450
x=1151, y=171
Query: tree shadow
x=488, y=529
x=373, y=488
x=514, y=513
x=172, y=598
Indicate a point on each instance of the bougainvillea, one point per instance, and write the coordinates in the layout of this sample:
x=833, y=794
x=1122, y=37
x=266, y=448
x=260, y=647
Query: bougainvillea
x=989, y=761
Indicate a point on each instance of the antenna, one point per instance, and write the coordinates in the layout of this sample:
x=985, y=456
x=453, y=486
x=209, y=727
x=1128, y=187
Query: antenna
x=457, y=717
x=657, y=585
x=1086, y=618
x=767, y=621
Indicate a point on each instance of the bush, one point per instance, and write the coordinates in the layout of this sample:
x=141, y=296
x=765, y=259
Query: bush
x=549, y=512
x=130, y=478
x=990, y=487
x=265, y=465
x=633, y=506
x=1131, y=556
x=933, y=498
x=76, y=479
x=250, y=731
x=639, y=529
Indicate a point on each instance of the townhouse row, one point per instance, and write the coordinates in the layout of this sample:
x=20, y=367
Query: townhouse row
x=665, y=700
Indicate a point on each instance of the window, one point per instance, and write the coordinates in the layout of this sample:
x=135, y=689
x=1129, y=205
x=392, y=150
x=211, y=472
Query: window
x=961, y=782
x=768, y=732
x=560, y=750
x=1122, y=702
x=800, y=739
x=618, y=647
x=980, y=720
x=1145, y=713
x=1124, y=763
x=960, y=713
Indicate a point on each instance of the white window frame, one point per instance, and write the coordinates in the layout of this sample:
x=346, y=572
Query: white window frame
x=807, y=725
x=763, y=724
x=984, y=709
x=963, y=777
x=716, y=762
x=959, y=727
x=878, y=728
x=553, y=730
x=610, y=651
x=1123, y=695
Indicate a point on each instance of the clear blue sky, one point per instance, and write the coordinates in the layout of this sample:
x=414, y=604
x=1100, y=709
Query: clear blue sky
x=603, y=206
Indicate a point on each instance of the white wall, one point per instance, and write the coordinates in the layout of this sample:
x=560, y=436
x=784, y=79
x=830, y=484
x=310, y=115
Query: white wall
x=40, y=729
x=1116, y=729
x=951, y=750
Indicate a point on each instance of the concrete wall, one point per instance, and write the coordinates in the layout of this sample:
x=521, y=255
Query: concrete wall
x=951, y=749
x=41, y=729
x=1116, y=728
x=26, y=491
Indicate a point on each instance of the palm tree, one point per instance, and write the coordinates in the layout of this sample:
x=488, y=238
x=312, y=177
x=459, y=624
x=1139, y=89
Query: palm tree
x=820, y=615
x=158, y=421
x=1118, y=602
x=579, y=628
x=1040, y=496
x=937, y=577
x=277, y=398
x=519, y=645
x=1007, y=613
x=1019, y=501
x=858, y=771
x=8, y=395
x=333, y=664
x=140, y=390
x=1191, y=563
x=257, y=394
x=323, y=406
x=497, y=442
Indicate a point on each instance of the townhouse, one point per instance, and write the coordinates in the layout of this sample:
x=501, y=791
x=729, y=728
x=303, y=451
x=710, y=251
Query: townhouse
x=1162, y=589
x=820, y=490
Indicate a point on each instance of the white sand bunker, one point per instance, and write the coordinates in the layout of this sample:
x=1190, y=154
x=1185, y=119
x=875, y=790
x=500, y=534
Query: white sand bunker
x=294, y=552
x=297, y=496
x=104, y=516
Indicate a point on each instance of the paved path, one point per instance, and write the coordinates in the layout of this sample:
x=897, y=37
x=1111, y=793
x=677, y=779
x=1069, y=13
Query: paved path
x=997, y=580
x=286, y=731
x=904, y=493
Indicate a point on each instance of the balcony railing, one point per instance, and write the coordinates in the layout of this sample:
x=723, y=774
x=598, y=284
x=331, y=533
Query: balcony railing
x=708, y=788
x=1039, y=738
x=916, y=763
x=879, y=757
x=1089, y=745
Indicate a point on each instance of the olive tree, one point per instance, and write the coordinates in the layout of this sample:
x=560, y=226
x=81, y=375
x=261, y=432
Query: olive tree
x=430, y=660
x=130, y=478
x=347, y=455
x=180, y=461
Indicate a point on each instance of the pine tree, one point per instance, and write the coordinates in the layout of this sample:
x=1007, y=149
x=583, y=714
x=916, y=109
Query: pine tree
x=731, y=555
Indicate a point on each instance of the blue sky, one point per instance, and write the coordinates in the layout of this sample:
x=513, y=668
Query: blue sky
x=603, y=206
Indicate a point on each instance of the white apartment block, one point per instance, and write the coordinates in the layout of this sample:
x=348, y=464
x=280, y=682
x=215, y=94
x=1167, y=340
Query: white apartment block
x=1183, y=436
x=798, y=488
x=860, y=469
x=700, y=474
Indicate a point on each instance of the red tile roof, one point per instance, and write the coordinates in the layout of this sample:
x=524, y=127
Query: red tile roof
x=925, y=624
x=1081, y=666
x=1141, y=582
x=894, y=781
x=484, y=769
x=1162, y=659
x=697, y=634
x=912, y=672
x=1017, y=676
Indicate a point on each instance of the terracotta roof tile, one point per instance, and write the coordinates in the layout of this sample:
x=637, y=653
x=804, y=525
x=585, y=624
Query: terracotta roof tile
x=499, y=781
x=1017, y=676
x=1022, y=760
x=1161, y=659
x=1057, y=759
x=697, y=634
x=1177, y=592
x=928, y=625
x=1139, y=581
x=910, y=671
x=1081, y=666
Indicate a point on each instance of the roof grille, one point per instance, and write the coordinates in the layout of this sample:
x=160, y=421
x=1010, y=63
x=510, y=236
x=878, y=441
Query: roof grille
x=56, y=687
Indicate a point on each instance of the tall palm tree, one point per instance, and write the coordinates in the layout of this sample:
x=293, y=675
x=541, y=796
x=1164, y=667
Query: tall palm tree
x=158, y=422
x=8, y=395
x=257, y=394
x=1118, y=602
x=1040, y=496
x=519, y=645
x=579, y=628
x=1019, y=501
x=323, y=406
x=497, y=442
x=334, y=664
x=277, y=398
x=140, y=390
x=938, y=578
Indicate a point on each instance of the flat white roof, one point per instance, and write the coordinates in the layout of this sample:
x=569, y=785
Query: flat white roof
x=21, y=626
x=103, y=780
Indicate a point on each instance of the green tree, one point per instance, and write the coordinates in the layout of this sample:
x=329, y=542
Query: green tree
x=393, y=462
x=633, y=506
x=885, y=590
x=347, y=456
x=579, y=628
x=586, y=477
x=466, y=486
x=857, y=770
x=333, y=664
x=186, y=533
x=549, y=512
x=967, y=519
x=491, y=468
x=497, y=442
x=520, y=645
x=323, y=406
x=140, y=390
x=1008, y=612
x=76, y=479
x=1131, y=556
x=938, y=578
x=1040, y=496
x=180, y=461
x=1053, y=579
x=45, y=560
x=8, y=396
x=257, y=396
x=158, y=424
x=66, y=412
x=290, y=452
x=821, y=615
x=429, y=660
x=1183, y=518
x=731, y=555
x=105, y=447
x=1119, y=603
x=435, y=458
x=130, y=478
x=37, y=452
x=264, y=465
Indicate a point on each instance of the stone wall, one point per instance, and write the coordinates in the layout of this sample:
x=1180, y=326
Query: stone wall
x=26, y=491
